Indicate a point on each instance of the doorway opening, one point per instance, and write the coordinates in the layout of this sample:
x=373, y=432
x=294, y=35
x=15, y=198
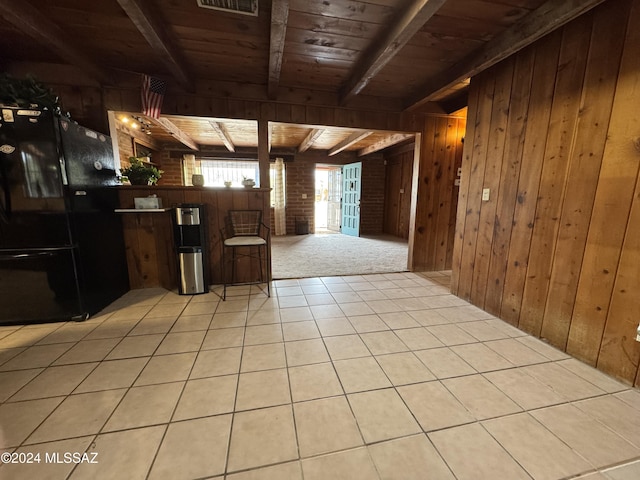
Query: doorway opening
x=328, y=198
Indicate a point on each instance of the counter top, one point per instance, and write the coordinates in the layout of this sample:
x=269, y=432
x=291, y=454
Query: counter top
x=152, y=188
x=141, y=210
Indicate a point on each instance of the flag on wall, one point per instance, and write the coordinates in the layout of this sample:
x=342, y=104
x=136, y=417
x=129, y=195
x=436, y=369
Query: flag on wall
x=152, y=95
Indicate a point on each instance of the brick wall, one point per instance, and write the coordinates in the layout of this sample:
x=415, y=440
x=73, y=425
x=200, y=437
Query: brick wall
x=125, y=146
x=300, y=179
x=171, y=166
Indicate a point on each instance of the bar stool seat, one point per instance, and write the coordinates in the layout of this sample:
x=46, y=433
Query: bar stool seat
x=244, y=241
x=245, y=236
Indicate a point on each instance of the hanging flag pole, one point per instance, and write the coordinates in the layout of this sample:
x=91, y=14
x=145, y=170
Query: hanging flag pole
x=152, y=95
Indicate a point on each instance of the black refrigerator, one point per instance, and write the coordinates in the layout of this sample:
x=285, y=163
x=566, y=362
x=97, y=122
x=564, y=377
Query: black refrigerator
x=62, y=254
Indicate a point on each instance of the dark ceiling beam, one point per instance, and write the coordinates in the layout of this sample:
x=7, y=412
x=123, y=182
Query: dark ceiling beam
x=31, y=22
x=309, y=140
x=223, y=134
x=347, y=142
x=175, y=132
x=456, y=103
x=385, y=143
x=385, y=48
x=279, y=18
x=539, y=23
x=146, y=20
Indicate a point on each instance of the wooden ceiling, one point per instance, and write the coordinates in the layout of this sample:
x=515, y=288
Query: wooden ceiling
x=232, y=135
x=402, y=52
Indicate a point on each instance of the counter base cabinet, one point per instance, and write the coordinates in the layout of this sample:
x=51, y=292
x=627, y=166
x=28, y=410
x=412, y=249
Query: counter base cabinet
x=151, y=254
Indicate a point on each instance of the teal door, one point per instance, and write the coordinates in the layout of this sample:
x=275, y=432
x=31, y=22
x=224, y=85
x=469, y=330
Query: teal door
x=351, y=180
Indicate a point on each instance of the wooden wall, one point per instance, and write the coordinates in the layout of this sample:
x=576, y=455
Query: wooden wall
x=434, y=193
x=554, y=133
x=397, y=191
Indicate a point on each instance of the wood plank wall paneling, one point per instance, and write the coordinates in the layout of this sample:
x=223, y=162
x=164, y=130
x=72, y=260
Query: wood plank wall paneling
x=398, y=176
x=509, y=175
x=584, y=170
x=607, y=300
x=564, y=247
x=477, y=147
x=492, y=175
x=463, y=195
x=440, y=158
x=562, y=125
x=537, y=124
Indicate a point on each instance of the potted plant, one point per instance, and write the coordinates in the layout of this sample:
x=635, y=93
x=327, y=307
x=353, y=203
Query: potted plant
x=27, y=93
x=140, y=172
x=248, y=182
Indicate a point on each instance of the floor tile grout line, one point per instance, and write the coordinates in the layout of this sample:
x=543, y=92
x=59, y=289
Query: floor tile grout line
x=128, y=389
x=175, y=407
x=481, y=373
x=235, y=402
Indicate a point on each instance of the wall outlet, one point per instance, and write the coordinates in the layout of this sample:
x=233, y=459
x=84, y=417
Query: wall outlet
x=304, y=196
x=485, y=194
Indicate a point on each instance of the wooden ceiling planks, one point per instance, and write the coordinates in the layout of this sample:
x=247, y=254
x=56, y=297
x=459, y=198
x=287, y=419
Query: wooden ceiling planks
x=381, y=13
x=227, y=54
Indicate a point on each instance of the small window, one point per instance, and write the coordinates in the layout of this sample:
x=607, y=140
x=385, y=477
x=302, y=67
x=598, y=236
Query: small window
x=217, y=172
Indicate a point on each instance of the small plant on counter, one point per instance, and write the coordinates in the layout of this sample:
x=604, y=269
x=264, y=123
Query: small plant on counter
x=140, y=172
x=248, y=182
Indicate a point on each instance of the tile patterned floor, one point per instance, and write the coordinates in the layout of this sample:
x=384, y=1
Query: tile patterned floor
x=365, y=377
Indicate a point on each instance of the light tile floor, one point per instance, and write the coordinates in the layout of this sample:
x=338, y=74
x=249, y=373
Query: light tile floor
x=364, y=377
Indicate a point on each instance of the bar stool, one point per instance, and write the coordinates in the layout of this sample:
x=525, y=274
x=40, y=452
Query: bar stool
x=245, y=236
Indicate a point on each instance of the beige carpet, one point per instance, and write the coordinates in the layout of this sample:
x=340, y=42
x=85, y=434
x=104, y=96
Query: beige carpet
x=324, y=255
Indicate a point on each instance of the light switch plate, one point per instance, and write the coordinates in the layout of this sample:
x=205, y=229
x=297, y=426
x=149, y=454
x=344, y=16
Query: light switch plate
x=485, y=194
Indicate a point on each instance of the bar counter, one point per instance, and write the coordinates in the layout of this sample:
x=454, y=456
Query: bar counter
x=148, y=235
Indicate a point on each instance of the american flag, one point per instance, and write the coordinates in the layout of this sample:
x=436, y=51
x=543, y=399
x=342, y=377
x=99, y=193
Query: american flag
x=152, y=95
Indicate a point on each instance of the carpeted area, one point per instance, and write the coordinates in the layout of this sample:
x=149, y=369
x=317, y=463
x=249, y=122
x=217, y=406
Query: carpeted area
x=322, y=255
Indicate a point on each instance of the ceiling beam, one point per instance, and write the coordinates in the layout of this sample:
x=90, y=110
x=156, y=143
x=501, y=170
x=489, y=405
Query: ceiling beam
x=347, y=142
x=383, y=49
x=223, y=134
x=456, y=103
x=539, y=23
x=279, y=18
x=384, y=143
x=146, y=20
x=28, y=20
x=175, y=132
x=310, y=139
x=138, y=135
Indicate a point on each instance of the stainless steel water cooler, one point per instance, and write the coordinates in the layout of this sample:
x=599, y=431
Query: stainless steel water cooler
x=189, y=223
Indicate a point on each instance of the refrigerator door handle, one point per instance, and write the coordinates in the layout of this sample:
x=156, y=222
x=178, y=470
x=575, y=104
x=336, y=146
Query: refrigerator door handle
x=5, y=209
x=24, y=256
x=30, y=253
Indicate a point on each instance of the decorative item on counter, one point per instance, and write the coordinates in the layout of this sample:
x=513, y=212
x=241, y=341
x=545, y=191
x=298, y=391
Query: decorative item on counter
x=228, y=183
x=152, y=201
x=248, y=182
x=140, y=172
x=197, y=180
